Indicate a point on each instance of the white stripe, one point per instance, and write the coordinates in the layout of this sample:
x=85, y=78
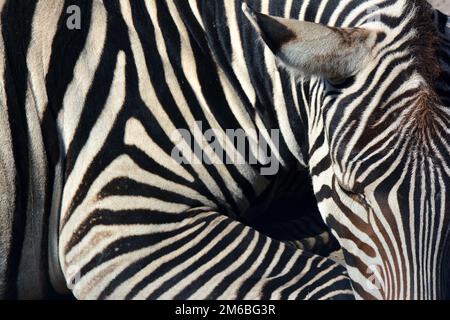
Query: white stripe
x=44, y=27
x=83, y=75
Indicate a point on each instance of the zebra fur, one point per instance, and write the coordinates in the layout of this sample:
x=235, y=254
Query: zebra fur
x=107, y=101
x=379, y=130
x=134, y=225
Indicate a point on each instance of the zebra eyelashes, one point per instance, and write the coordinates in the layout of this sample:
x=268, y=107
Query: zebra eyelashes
x=312, y=49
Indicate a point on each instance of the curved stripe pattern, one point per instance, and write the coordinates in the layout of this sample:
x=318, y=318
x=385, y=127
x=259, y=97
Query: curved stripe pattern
x=111, y=97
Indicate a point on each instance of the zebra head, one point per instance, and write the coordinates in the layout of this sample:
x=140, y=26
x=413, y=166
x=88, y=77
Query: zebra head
x=379, y=139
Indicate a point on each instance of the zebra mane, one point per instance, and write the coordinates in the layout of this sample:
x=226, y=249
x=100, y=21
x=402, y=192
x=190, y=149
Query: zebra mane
x=426, y=43
x=425, y=50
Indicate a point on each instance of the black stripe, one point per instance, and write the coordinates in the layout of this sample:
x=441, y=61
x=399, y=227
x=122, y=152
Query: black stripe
x=16, y=22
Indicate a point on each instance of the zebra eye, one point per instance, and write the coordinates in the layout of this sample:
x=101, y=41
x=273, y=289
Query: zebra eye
x=355, y=195
x=345, y=187
x=353, y=190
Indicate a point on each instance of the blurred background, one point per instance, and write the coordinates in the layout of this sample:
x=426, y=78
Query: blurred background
x=443, y=5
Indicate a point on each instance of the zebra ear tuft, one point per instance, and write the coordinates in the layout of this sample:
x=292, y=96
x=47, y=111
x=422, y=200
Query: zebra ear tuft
x=313, y=49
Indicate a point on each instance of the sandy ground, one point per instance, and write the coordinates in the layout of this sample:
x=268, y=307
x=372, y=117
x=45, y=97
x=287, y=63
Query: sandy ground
x=443, y=5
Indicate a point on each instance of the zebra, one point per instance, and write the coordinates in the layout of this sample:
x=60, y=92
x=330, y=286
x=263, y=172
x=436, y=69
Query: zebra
x=101, y=104
x=96, y=96
x=378, y=135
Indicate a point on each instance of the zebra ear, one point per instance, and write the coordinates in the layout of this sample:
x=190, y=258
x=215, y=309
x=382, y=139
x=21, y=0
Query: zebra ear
x=313, y=49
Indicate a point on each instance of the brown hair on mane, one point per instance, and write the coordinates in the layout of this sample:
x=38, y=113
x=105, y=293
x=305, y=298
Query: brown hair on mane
x=425, y=50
